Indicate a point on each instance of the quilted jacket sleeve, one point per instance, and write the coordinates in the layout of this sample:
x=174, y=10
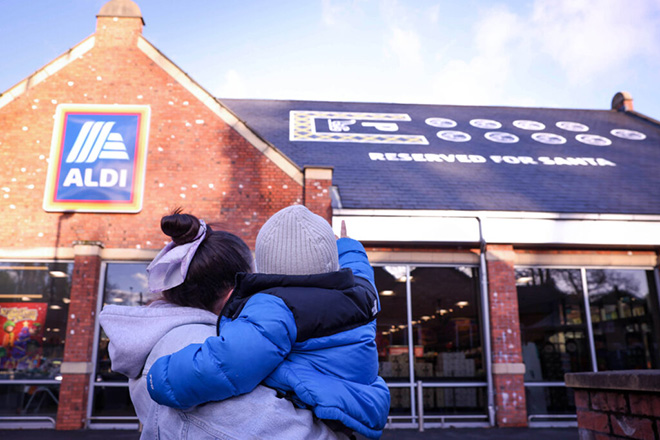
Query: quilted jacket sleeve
x=353, y=256
x=248, y=349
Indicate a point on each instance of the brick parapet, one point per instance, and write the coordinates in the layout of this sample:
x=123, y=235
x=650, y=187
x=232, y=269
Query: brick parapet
x=617, y=404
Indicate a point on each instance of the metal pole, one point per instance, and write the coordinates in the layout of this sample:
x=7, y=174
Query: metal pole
x=587, y=314
x=411, y=344
x=485, y=317
x=420, y=406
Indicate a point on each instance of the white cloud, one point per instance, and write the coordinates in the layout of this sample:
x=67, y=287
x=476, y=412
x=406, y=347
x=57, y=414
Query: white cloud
x=329, y=12
x=141, y=279
x=480, y=79
x=340, y=12
x=592, y=37
x=405, y=45
x=434, y=14
x=233, y=86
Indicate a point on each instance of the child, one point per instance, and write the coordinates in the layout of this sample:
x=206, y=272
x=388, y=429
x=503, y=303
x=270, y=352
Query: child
x=302, y=325
x=195, y=275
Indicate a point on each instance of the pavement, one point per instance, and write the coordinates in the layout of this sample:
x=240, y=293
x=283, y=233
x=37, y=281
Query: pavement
x=389, y=434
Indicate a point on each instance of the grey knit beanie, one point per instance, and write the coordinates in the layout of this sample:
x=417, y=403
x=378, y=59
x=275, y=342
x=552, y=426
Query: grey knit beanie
x=295, y=241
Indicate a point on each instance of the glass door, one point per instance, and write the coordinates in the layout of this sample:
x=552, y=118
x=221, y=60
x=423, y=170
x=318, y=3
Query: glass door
x=430, y=342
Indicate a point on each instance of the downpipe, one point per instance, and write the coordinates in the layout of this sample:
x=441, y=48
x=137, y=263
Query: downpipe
x=486, y=320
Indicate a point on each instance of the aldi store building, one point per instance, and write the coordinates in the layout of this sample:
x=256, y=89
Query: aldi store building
x=510, y=245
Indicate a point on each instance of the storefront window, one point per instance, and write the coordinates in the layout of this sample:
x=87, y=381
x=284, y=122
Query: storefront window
x=392, y=335
x=625, y=323
x=445, y=320
x=33, y=314
x=444, y=334
x=125, y=284
x=624, y=313
x=34, y=304
x=552, y=323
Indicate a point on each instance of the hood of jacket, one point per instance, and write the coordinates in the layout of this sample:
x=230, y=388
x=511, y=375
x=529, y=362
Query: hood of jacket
x=133, y=331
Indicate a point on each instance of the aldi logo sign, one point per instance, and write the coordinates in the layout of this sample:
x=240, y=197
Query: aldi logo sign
x=98, y=158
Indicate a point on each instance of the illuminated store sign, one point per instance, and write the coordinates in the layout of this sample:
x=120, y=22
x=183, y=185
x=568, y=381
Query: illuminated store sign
x=98, y=158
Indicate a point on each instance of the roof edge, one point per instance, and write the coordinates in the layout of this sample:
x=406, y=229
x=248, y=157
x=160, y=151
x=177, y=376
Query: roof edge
x=277, y=157
x=49, y=69
x=642, y=117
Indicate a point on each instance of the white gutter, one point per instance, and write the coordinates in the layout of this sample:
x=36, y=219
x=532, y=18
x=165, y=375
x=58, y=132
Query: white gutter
x=536, y=228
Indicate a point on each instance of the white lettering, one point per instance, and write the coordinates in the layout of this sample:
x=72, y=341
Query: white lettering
x=604, y=162
x=527, y=160
x=123, y=178
x=108, y=178
x=88, y=178
x=73, y=177
x=475, y=158
x=432, y=157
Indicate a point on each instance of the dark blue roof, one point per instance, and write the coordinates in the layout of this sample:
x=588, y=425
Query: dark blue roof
x=437, y=157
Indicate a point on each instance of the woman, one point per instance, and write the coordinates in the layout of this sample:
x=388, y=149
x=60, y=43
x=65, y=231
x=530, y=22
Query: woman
x=195, y=276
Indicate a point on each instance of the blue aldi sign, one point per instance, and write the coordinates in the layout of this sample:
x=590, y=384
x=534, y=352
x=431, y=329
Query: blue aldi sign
x=98, y=158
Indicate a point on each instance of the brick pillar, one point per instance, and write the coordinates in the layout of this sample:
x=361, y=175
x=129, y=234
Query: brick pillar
x=316, y=193
x=77, y=365
x=508, y=369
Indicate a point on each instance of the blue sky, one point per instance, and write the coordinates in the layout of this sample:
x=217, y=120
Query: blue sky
x=537, y=53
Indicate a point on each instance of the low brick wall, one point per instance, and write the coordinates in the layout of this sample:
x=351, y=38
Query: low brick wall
x=617, y=404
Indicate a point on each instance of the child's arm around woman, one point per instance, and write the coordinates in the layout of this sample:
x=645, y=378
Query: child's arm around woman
x=248, y=348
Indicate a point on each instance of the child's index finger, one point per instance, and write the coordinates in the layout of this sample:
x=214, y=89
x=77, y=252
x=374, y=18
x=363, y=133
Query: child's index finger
x=343, y=229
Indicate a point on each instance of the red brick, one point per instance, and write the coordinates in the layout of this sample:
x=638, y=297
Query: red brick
x=632, y=427
x=594, y=421
x=644, y=404
x=608, y=401
x=582, y=399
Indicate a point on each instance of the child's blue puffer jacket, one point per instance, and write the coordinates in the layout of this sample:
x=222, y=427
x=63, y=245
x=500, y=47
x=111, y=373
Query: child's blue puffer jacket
x=311, y=337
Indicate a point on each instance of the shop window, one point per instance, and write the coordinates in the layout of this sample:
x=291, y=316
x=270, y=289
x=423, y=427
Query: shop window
x=545, y=400
x=392, y=336
x=454, y=401
x=553, y=326
x=34, y=304
x=625, y=318
x=126, y=285
x=445, y=323
x=444, y=334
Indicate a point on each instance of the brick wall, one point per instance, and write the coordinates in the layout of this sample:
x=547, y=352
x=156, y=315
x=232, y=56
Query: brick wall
x=508, y=369
x=630, y=410
x=72, y=409
x=74, y=389
x=195, y=160
x=317, y=190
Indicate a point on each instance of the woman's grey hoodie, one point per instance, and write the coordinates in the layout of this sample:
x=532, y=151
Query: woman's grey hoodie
x=140, y=335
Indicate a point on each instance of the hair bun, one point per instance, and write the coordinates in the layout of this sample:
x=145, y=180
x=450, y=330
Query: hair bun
x=182, y=228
